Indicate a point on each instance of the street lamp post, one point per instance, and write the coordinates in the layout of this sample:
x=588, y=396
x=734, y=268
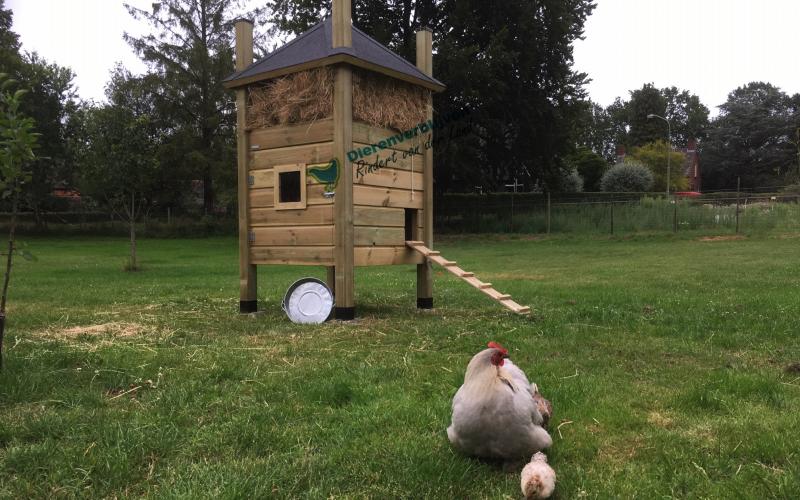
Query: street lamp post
x=669, y=144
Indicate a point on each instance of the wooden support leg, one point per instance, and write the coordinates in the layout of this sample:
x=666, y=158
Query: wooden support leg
x=424, y=286
x=330, y=279
x=248, y=273
x=248, y=289
x=344, y=299
x=424, y=271
x=343, y=199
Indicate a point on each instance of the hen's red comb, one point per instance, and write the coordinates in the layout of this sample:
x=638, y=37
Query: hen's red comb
x=495, y=345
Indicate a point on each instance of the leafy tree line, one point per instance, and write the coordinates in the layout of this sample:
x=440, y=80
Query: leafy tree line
x=530, y=119
x=754, y=137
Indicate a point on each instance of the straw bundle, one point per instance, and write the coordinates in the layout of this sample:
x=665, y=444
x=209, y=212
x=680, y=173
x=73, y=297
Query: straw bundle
x=297, y=98
x=385, y=102
x=307, y=96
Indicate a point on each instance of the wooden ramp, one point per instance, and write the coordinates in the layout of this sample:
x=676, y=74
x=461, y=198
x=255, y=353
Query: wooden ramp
x=469, y=277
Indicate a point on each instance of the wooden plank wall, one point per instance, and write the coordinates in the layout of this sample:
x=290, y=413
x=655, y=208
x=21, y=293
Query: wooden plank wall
x=305, y=236
x=381, y=195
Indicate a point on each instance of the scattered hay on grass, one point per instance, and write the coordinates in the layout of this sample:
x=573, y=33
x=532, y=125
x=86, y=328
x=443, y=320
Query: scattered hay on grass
x=731, y=237
x=104, y=332
x=659, y=420
x=113, y=328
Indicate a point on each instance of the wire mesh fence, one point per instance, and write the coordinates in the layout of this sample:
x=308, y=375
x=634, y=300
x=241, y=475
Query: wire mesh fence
x=620, y=214
x=531, y=213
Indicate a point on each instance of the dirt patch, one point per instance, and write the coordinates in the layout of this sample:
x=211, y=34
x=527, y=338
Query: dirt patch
x=730, y=237
x=793, y=368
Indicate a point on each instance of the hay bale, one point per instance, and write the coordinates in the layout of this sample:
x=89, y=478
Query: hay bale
x=301, y=97
x=307, y=96
x=386, y=102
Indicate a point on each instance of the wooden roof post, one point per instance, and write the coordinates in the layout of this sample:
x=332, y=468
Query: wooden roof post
x=248, y=300
x=342, y=143
x=424, y=271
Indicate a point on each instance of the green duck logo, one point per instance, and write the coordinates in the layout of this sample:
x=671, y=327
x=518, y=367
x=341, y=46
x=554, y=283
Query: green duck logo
x=327, y=174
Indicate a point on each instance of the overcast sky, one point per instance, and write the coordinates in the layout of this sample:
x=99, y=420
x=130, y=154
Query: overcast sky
x=708, y=47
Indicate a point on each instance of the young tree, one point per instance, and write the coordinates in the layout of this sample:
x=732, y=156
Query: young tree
x=119, y=166
x=654, y=156
x=17, y=142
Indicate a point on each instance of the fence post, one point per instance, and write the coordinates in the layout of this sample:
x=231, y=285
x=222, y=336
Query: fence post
x=612, y=217
x=548, y=212
x=675, y=214
x=738, y=188
x=512, y=209
x=169, y=216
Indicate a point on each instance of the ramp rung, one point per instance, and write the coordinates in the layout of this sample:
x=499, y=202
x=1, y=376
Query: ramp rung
x=469, y=277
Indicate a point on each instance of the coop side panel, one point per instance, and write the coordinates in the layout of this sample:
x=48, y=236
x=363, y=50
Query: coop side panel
x=385, y=184
x=298, y=236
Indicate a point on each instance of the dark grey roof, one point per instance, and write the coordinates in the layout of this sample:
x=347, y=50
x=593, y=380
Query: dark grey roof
x=316, y=44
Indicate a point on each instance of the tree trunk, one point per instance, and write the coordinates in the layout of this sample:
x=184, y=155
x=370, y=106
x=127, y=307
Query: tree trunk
x=7, y=278
x=208, y=194
x=132, y=220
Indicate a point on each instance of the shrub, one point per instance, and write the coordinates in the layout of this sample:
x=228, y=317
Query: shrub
x=572, y=182
x=628, y=176
x=654, y=156
x=590, y=165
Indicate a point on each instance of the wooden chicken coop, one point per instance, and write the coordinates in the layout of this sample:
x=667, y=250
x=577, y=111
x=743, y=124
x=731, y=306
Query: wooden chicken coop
x=334, y=168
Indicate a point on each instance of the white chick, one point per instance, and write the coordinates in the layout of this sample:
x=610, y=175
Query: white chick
x=538, y=479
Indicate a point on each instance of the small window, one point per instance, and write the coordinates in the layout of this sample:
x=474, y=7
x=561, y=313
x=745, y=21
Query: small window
x=290, y=186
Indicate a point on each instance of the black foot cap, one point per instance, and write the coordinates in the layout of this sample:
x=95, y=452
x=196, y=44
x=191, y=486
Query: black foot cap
x=248, y=306
x=425, y=303
x=345, y=313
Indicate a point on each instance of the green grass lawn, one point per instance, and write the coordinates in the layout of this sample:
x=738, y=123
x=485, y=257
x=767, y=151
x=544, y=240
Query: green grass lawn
x=665, y=359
